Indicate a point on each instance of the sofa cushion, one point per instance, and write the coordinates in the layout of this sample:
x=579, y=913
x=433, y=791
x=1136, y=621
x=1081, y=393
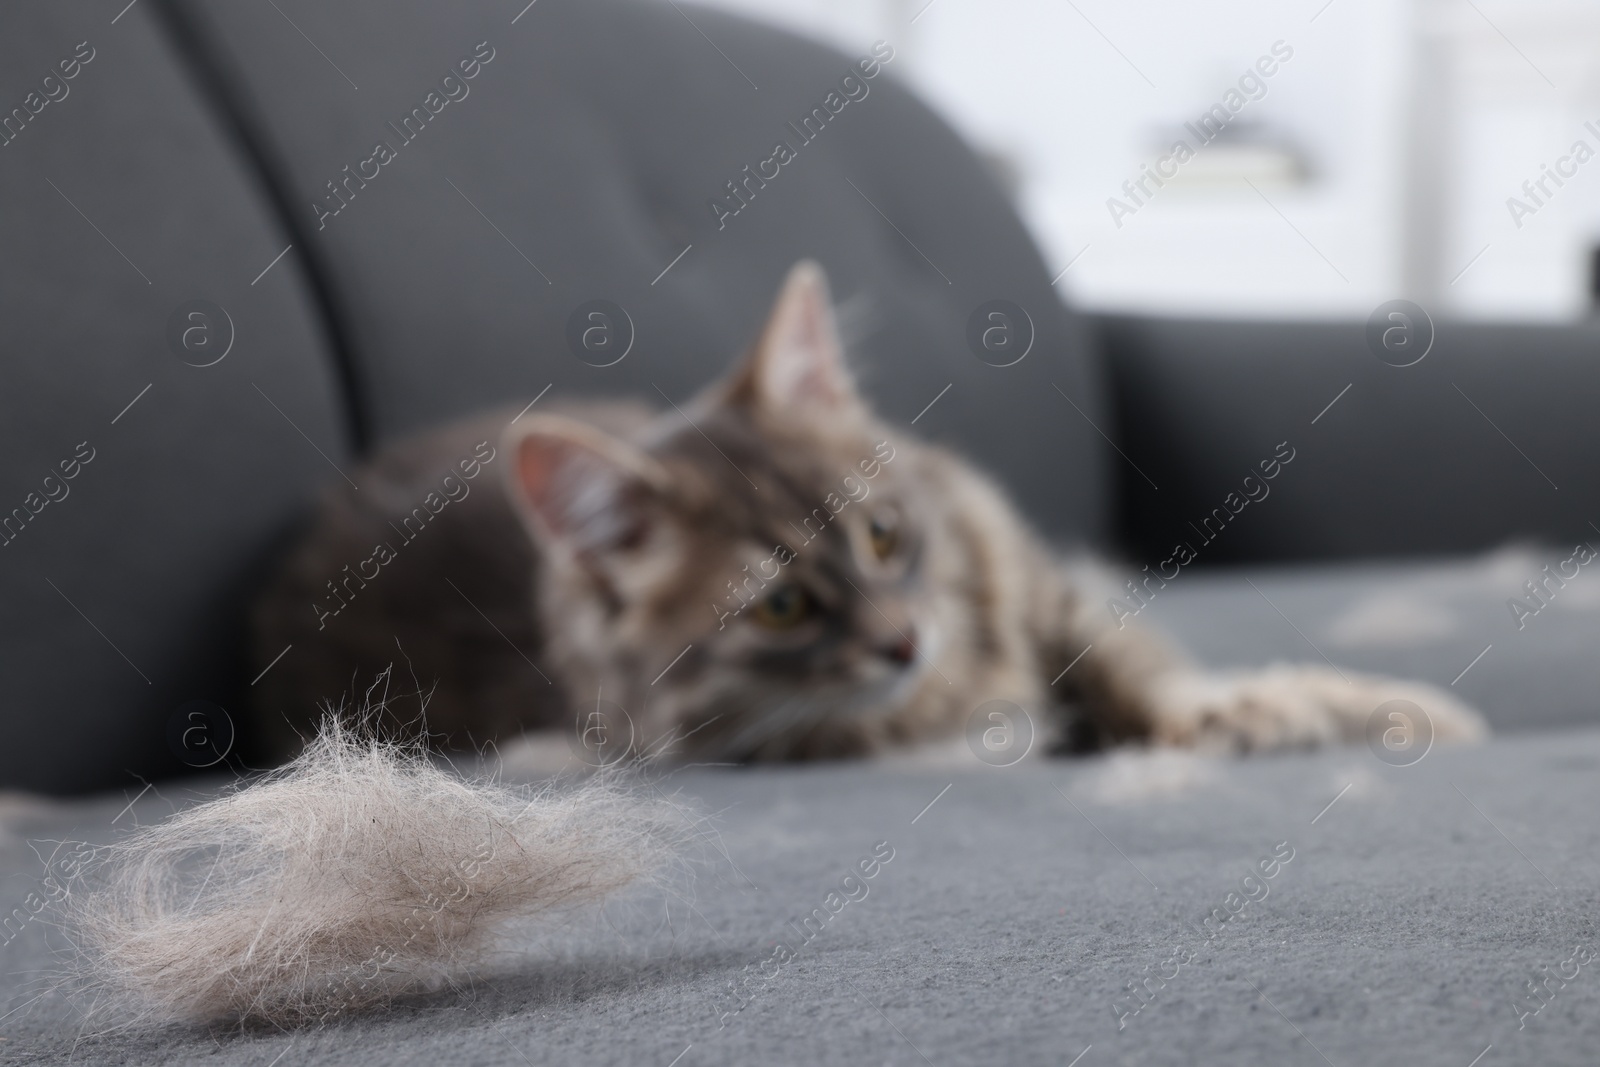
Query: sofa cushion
x=1398, y=926
x=1468, y=624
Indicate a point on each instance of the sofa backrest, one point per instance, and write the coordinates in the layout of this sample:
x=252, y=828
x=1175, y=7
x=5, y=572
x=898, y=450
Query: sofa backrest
x=1481, y=442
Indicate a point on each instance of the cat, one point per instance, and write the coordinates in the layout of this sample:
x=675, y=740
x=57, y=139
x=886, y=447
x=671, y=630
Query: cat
x=769, y=573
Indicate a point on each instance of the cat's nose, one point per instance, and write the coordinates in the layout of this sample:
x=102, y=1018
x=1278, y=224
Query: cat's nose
x=902, y=649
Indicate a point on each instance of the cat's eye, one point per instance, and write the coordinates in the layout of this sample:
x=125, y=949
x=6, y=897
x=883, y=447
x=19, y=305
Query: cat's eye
x=885, y=536
x=784, y=608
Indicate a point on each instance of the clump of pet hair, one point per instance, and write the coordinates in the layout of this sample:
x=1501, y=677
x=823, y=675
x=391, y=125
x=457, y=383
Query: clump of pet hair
x=359, y=872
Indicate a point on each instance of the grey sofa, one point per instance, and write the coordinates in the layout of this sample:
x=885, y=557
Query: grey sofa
x=217, y=292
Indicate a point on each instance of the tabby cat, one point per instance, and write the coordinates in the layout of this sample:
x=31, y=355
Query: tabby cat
x=769, y=574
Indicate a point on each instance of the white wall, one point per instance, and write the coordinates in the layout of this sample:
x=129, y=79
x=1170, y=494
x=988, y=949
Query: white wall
x=1417, y=119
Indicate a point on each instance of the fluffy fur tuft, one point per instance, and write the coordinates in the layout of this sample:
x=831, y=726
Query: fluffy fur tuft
x=357, y=873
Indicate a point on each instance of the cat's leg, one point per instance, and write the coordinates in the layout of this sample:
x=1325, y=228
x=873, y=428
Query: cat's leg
x=1300, y=705
x=1125, y=683
x=1106, y=675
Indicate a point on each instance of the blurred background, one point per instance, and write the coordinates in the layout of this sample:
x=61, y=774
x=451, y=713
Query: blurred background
x=1382, y=153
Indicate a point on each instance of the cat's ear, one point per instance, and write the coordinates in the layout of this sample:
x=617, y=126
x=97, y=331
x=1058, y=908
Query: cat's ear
x=797, y=365
x=580, y=489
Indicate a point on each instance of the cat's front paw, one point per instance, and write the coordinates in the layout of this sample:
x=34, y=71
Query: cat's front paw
x=1285, y=706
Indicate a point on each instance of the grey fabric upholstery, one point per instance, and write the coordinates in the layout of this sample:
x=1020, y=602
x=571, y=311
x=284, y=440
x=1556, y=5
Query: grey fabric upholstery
x=1460, y=452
